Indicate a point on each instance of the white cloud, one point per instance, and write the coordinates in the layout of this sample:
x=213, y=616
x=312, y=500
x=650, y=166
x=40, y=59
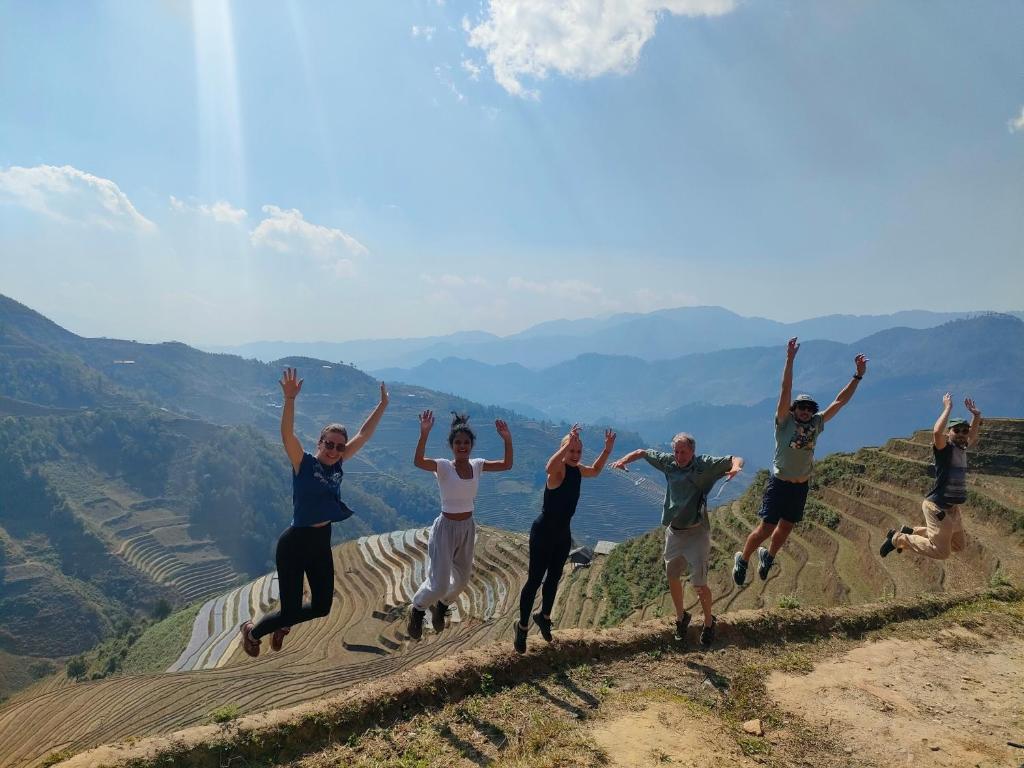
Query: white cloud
x=70, y=195
x=221, y=211
x=572, y=290
x=427, y=33
x=443, y=74
x=287, y=231
x=581, y=39
x=1017, y=123
x=472, y=69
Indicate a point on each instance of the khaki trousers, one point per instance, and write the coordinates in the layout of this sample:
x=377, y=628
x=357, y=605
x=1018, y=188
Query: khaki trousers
x=942, y=534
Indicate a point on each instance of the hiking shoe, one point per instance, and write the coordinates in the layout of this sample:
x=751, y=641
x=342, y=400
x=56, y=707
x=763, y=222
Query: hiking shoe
x=681, y=624
x=437, y=613
x=887, y=545
x=249, y=643
x=765, y=560
x=277, y=639
x=739, y=569
x=520, y=642
x=544, y=624
x=907, y=530
x=415, y=626
x=707, y=632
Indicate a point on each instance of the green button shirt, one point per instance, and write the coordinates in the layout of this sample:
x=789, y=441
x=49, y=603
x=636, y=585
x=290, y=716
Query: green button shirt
x=687, y=486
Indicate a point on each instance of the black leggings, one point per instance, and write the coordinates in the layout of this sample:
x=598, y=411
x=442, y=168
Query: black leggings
x=549, y=549
x=301, y=551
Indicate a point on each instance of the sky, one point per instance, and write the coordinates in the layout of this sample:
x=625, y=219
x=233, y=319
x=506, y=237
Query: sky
x=220, y=172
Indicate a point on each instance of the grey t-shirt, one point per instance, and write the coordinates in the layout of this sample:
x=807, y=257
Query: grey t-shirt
x=794, y=445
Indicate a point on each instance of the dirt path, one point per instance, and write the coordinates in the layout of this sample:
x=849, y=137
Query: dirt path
x=952, y=701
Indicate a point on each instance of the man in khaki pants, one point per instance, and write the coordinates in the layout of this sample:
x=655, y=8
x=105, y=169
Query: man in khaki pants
x=944, y=529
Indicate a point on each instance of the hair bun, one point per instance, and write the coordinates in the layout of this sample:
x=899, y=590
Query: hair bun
x=459, y=418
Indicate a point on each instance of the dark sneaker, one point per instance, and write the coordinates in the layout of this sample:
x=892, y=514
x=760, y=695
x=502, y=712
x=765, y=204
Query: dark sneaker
x=765, y=560
x=887, y=545
x=415, y=626
x=544, y=624
x=277, y=639
x=739, y=569
x=520, y=642
x=437, y=613
x=681, y=625
x=707, y=632
x=907, y=530
x=249, y=643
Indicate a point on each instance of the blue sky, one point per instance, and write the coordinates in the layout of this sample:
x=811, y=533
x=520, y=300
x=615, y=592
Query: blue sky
x=219, y=172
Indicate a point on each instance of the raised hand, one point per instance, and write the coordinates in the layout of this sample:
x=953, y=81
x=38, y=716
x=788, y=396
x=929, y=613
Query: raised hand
x=609, y=440
x=947, y=401
x=384, y=399
x=620, y=464
x=290, y=383
x=969, y=404
x=791, y=348
x=862, y=364
x=426, y=421
x=503, y=430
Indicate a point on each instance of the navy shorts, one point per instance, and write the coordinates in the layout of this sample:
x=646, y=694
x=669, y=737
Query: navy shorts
x=783, y=501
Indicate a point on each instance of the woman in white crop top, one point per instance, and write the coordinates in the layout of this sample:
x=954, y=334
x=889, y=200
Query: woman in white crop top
x=453, y=534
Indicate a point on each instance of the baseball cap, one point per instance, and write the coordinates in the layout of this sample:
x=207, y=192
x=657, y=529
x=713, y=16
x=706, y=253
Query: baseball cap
x=804, y=399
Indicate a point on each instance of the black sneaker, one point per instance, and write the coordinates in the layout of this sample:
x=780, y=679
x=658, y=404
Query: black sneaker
x=739, y=569
x=415, y=625
x=544, y=624
x=520, y=642
x=681, y=625
x=765, y=560
x=907, y=530
x=887, y=545
x=707, y=632
x=437, y=613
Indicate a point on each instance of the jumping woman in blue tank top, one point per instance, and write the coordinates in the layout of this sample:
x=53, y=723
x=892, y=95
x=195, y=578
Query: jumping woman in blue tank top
x=550, y=536
x=305, y=547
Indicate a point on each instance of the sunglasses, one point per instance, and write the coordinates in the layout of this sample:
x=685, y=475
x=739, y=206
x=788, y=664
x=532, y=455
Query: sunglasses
x=961, y=430
x=805, y=407
x=331, y=446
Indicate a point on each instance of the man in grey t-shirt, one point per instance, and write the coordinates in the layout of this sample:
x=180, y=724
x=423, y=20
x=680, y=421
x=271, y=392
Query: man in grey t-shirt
x=797, y=426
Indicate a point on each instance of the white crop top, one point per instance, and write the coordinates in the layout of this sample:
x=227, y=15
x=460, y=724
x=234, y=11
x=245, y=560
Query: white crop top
x=457, y=495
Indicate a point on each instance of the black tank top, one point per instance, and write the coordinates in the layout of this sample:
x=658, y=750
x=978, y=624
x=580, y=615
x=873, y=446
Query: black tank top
x=560, y=503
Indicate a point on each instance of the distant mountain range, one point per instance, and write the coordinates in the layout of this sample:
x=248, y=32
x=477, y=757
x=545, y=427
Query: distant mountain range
x=660, y=335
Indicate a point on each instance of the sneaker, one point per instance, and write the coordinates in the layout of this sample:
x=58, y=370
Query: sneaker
x=249, y=643
x=887, y=545
x=907, y=530
x=707, y=632
x=765, y=560
x=544, y=624
x=739, y=569
x=277, y=639
x=437, y=613
x=520, y=642
x=681, y=625
x=415, y=625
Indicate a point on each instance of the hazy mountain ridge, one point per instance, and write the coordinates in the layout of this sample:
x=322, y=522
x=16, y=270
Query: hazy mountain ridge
x=661, y=334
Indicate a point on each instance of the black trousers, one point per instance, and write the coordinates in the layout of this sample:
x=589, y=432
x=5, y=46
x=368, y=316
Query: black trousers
x=549, y=549
x=301, y=551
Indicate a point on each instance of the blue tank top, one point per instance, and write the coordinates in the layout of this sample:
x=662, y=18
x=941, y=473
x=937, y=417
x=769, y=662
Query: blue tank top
x=316, y=493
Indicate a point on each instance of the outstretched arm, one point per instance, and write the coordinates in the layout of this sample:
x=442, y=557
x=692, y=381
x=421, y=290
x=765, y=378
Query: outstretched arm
x=291, y=385
x=555, y=468
x=786, y=391
x=844, y=396
x=972, y=437
x=366, y=431
x=737, y=467
x=595, y=469
x=629, y=458
x=419, y=459
x=939, y=430
x=506, y=436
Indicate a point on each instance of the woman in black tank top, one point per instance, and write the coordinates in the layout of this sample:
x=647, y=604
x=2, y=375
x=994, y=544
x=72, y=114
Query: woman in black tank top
x=550, y=537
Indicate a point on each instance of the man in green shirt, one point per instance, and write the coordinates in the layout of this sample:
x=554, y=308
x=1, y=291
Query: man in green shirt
x=797, y=426
x=685, y=517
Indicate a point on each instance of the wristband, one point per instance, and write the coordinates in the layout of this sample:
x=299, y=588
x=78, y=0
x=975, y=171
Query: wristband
x=857, y=377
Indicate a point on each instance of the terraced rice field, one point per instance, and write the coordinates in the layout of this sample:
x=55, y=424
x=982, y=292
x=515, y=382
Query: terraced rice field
x=364, y=636
x=152, y=535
